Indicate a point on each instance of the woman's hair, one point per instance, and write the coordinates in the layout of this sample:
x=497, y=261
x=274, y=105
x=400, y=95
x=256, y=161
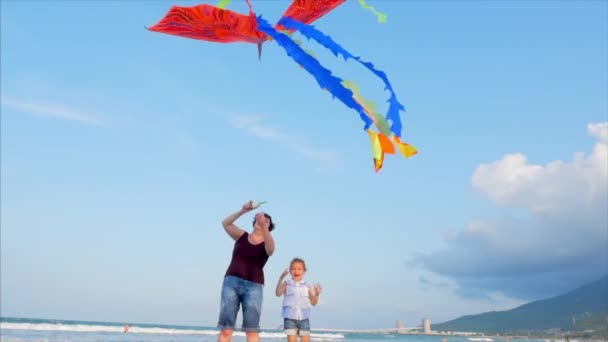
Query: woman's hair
x=300, y=260
x=270, y=226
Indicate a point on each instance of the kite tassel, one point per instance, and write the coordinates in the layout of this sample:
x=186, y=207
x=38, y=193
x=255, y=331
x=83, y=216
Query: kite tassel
x=406, y=149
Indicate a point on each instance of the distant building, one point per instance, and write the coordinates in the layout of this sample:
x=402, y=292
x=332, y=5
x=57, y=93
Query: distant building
x=400, y=326
x=426, y=324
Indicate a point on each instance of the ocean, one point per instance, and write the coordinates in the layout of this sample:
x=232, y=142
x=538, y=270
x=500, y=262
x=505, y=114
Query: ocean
x=47, y=330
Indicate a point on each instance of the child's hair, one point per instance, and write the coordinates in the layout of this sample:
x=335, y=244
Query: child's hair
x=300, y=260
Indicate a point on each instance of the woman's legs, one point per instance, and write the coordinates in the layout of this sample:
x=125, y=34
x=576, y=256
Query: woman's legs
x=225, y=335
x=252, y=297
x=229, y=308
x=237, y=292
x=252, y=336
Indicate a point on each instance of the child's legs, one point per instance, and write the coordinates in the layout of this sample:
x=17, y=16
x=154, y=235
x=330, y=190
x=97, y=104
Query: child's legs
x=295, y=328
x=291, y=329
x=304, y=330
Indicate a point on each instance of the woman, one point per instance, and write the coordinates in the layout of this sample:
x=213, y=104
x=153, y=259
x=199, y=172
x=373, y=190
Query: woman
x=244, y=280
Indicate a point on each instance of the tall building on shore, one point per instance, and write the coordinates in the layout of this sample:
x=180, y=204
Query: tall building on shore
x=426, y=324
x=399, y=325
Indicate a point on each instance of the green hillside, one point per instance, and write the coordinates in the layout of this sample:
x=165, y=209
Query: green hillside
x=585, y=308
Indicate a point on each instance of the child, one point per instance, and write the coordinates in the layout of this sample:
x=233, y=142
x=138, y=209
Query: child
x=298, y=299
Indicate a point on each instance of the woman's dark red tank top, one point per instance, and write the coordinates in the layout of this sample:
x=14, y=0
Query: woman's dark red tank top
x=248, y=260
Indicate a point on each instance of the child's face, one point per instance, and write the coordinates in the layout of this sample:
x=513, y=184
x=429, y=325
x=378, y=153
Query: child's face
x=297, y=271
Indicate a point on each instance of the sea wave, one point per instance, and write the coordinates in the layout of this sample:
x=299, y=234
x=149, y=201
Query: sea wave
x=134, y=329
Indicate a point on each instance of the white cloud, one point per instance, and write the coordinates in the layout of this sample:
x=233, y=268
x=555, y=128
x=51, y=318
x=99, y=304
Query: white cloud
x=557, y=188
x=51, y=111
x=256, y=127
x=599, y=131
x=563, y=234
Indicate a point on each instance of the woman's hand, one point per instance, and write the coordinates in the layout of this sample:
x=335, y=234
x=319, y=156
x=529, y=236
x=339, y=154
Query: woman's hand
x=248, y=206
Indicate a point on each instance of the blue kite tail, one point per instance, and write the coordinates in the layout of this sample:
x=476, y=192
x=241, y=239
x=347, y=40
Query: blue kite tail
x=312, y=33
x=323, y=76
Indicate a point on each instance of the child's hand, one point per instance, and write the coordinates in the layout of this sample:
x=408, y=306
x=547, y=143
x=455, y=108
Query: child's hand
x=318, y=289
x=286, y=272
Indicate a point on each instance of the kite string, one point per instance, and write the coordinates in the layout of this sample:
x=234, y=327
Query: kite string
x=250, y=7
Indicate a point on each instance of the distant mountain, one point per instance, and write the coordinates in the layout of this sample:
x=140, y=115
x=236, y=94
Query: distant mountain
x=581, y=309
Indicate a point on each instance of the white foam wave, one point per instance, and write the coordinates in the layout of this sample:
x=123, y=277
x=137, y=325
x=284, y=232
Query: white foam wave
x=322, y=337
x=60, y=327
x=102, y=328
x=146, y=330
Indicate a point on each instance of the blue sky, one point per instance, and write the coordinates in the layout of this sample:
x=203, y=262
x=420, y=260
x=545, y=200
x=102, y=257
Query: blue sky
x=123, y=149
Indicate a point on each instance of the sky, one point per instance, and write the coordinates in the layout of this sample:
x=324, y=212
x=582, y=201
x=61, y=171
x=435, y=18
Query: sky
x=122, y=150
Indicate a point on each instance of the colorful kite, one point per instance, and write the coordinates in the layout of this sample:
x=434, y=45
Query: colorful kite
x=217, y=24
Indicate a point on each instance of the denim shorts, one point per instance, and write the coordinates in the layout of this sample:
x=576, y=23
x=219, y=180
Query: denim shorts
x=292, y=326
x=240, y=292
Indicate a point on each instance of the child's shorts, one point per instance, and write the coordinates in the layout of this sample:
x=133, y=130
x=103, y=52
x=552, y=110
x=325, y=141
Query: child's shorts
x=292, y=326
